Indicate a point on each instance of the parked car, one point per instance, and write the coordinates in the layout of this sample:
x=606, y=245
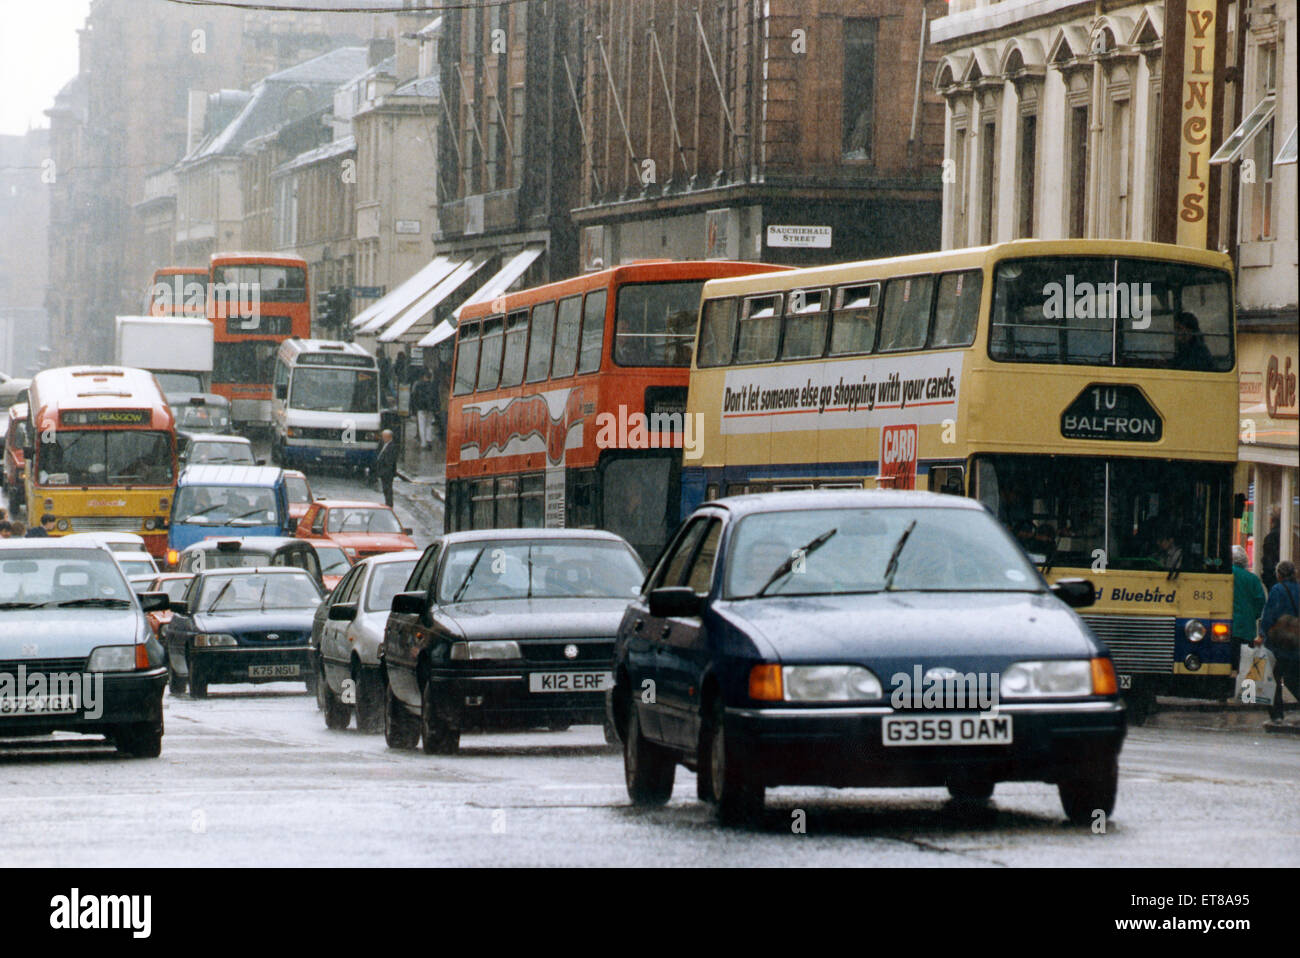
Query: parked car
x=16, y=438
x=200, y=413
x=68, y=619
x=783, y=635
x=173, y=584
x=226, y=501
x=358, y=527
x=251, y=552
x=242, y=625
x=12, y=390
x=300, y=496
x=345, y=636
x=206, y=449
x=334, y=563
x=505, y=628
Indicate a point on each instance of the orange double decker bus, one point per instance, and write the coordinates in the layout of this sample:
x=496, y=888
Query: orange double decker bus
x=255, y=302
x=568, y=402
x=178, y=291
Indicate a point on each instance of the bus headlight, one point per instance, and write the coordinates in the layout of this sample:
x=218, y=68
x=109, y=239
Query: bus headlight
x=151, y=524
x=1195, y=630
x=62, y=525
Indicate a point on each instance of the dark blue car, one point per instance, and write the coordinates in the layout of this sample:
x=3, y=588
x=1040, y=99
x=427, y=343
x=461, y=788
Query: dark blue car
x=860, y=639
x=242, y=625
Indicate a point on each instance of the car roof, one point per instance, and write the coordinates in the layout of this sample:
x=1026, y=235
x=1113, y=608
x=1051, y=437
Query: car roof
x=107, y=537
x=219, y=437
x=209, y=399
x=229, y=475
x=259, y=570
x=481, y=535
x=385, y=558
x=795, y=500
x=55, y=542
x=263, y=543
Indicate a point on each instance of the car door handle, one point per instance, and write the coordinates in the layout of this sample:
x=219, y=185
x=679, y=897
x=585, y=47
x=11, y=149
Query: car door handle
x=666, y=629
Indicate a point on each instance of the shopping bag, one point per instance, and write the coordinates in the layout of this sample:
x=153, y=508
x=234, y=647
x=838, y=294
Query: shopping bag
x=1259, y=686
x=1244, y=661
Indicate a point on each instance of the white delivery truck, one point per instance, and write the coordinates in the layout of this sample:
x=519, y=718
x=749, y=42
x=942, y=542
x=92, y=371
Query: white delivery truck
x=176, y=349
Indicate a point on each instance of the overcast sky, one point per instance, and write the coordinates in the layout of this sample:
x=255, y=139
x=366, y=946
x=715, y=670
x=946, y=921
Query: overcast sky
x=38, y=54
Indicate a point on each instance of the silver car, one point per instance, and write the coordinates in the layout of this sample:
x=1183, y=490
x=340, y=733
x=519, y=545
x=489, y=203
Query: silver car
x=345, y=636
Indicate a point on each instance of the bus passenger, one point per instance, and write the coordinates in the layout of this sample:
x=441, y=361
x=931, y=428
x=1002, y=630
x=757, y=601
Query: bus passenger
x=1189, y=344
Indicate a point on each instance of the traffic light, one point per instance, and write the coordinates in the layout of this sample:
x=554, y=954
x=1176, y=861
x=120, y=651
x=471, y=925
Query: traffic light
x=333, y=306
x=325, y=299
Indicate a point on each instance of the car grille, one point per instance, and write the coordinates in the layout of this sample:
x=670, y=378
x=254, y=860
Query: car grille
x=282, y=637
x=32, y=666
x=1137, y=643
x=312, y=432
x=107, y=524
x=551, y=651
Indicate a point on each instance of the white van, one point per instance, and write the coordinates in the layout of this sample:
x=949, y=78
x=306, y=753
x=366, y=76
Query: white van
x=324, y=405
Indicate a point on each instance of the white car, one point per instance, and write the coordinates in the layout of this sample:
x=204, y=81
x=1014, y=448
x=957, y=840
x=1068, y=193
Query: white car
x=10, y=388
x=127, y=548
x=209, y=449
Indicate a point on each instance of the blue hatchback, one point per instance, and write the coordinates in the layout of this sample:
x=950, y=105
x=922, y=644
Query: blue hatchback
x=860, y=639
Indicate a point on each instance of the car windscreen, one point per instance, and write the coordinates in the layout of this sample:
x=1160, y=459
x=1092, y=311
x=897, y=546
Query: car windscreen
x=133, y=566
x=253, y=592
x=332, y=560
x=31, y=578
x=834, y=551
x=175, y=588
x=362, y=520
x=229, y=453
x=218, y=559
x=225, y=505
x=386, y=581
x=202, y=417
x=321, y=389
x=541, y=568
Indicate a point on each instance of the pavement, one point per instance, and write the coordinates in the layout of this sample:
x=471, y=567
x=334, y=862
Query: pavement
x=1230, y=716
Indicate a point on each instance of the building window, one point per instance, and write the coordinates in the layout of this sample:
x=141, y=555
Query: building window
x=1077, y=151
x=1119, y=156
x=859, y=88
x=1027, y=174
x=1252, y=142
x=959, y=237
x=988, y=180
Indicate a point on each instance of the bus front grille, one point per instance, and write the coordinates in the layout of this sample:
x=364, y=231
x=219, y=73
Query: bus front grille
x=108, y=524
x=1137, y=643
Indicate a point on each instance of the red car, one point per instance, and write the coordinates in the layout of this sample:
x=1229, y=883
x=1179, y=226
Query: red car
x=174, y=584
x=300, y=497
x=357, y=527
x=15, y=437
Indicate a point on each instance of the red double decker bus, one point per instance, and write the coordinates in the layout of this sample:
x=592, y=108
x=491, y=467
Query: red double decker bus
x=255, y=302
x=178, y=291
x=568, y=405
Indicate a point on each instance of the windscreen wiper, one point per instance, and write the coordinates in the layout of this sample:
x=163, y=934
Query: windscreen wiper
x=220, y=592
x=784, y=568
x=23, y=605
x=891, y=569
x=103, y=602
x=460, y=590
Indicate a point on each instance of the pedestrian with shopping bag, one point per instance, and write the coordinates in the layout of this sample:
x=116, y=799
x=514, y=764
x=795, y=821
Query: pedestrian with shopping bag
x=1248, y=599
x=423, y=402
x=1279, y=632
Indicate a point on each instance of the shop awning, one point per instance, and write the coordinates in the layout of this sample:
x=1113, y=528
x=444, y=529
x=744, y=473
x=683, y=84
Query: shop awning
x=378, y=313
x=443, y=331
x=502, y=278
x=409, y=325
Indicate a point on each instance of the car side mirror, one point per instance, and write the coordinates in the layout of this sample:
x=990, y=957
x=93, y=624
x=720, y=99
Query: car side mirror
x=1076, y=593
x=1238, y=505
x=281, y=392
x=154, y=601
x=261, y=462
x=675, y=602
x=343, y=612
x=410, y=603
x=407, y=531
x=178, y=607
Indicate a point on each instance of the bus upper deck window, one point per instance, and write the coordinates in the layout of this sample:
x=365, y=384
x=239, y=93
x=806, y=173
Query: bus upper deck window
x=467, y=359
x=717, y=332
x=957, y=308
x=489, y=357
x=566, y=337
x=854, y=321
x=593, y=332
x=905, y=322
x=760, y=329
x=512, y=365
x=541, y=341
x=806, y=319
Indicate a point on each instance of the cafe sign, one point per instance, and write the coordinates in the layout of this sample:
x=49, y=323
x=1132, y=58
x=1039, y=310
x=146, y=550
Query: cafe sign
x=1114, y=413
x=1197, y=103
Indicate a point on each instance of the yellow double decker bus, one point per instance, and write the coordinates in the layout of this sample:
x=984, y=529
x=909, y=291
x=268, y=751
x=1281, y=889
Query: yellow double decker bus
x=103, y=455
x=1084, y=391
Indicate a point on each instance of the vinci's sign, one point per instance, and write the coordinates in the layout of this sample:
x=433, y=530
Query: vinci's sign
x=548, y=422
x=1197, y=102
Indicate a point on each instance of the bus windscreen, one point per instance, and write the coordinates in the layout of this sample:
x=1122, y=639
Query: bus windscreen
x=655, y=323
x=319, y=389
x=104, y=457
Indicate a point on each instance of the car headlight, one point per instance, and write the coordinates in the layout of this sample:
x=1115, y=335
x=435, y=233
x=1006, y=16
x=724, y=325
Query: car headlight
x=1195, y=630
x=214, y=640
x=828, y=683
x=1050, y=679
x=477, y=651
x=113, y=658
